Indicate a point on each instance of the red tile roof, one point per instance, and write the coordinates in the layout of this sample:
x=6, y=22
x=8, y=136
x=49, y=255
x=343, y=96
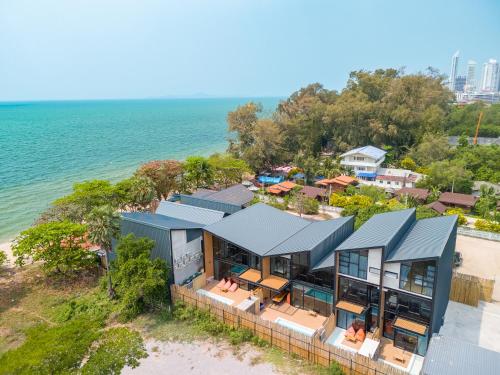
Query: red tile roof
x=313, y=192
x=458, y=199
x=417, y=193
x=438, y=207
x=339, y=180
x=282, y=187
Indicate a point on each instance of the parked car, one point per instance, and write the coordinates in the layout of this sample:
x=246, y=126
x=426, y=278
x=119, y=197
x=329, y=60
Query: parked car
x=457, y=259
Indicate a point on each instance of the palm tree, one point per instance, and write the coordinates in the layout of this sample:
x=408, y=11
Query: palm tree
x=143, y=192
x=104, y=225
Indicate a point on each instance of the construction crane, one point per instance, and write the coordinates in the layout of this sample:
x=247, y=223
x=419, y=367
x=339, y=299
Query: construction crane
x=477, y=127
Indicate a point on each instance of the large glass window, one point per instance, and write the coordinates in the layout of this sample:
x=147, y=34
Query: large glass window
x=310, y=298
x=418, y=277
x=280, y=266
x=354, y=291
x=354, y=263
x=411, y=307
x=230, y=253
x=299, y=265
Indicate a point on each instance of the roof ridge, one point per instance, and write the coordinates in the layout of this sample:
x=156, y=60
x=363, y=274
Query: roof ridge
x=198, y=225
x=189, y=206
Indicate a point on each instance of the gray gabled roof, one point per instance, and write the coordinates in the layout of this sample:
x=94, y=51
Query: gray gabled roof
x=237, y=194
x=309, y=237
x=327, y=262
x=370, y=151
x=448, y=356
x=194, y=214
x=426, y=239
x=258, y=228
x=379, y=231
x=160, y=221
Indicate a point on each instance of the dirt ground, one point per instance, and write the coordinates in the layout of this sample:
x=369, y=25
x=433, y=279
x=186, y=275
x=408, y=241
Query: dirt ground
x=480, y=257
x=203, y=358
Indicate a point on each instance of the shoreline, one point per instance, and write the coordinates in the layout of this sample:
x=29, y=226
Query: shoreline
x=6, y=247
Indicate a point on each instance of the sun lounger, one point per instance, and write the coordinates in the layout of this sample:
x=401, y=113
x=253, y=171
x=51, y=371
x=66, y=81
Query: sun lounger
x=233, y=287
x=221, y=284
x=360, y=335
x=226, y=286
x=278, y=298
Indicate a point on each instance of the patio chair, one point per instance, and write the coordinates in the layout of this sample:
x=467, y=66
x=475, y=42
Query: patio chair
x=233, y=287
x=360, y=335
x=226, y=286
x=221, y=283
x=350, y=334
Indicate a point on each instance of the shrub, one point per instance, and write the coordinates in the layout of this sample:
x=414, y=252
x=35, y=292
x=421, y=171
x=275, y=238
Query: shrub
x=140, y=282
x=462, y=220
x=117, y=347
x=338, y=200
x=488, y=226
x=425, y=212
x=59, y=245
x=408, y=163
x=3, y=258
x=335, y=369
x=311, y=206
x=51, y=350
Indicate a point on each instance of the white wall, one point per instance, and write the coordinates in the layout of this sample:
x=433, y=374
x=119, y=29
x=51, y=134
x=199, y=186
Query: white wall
x=374, y=260
x=390, y=282
x=187, y=256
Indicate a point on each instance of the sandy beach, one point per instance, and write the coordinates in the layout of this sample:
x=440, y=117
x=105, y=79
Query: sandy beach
x=203, y=358
x=6, y=248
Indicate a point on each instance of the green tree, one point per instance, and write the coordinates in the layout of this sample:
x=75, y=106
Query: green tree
x=141, y=282
x=228, y=170
x=104, y=226
x=88, y=194
x=241, y=122
x=165, y=174
x=198, y=172
x=408, y=163
x=136, y=193
x=60, y=246
x=329, y=168
x=448, y=176
x=487, y=202
x=432, y=148
x=266, y=150
x=375, y=193
x=3, y=258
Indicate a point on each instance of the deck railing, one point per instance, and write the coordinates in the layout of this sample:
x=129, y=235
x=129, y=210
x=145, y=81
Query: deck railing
x=311, y=349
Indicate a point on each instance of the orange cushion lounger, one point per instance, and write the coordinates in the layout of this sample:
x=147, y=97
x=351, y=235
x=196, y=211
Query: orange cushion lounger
x=227, y=285
x=360, y=335
x=221, y=284
x=350, y=331
x=233, y=287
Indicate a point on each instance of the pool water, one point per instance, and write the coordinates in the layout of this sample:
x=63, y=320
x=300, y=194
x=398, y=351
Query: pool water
x=320, y=295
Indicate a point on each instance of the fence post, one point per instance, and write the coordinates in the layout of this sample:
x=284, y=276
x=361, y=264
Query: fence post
x=329, y=357
x=223, y=317
x=289, y=339
x=271, y=336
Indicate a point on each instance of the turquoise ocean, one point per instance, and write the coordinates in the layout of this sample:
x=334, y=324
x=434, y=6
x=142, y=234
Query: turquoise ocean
x=45, y=147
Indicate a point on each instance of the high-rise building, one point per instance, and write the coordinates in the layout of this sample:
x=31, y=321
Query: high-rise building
x=460, y=83
x=489, y=81
x=470, y=82
x=453, y=73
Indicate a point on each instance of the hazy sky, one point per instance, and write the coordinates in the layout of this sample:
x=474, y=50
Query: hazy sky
x=83, y=49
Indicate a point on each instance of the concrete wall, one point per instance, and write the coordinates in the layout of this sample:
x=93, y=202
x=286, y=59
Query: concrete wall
x=391, y=282
x=187, y=256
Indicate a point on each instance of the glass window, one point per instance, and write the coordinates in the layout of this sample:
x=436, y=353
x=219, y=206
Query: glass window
x=354, y=263
x=418, y=277
x=392, y=275
x=354, y=291
x=280, y=267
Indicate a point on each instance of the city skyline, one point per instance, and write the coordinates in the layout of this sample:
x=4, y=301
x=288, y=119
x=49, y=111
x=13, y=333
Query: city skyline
x=469, y=82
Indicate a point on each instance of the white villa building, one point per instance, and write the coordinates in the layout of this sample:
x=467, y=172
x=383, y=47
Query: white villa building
x=366, y=163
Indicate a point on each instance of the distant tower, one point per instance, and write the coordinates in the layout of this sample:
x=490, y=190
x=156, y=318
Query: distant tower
x=489, y=81
x=460, y=83
x=453, y=73
x=470, y=82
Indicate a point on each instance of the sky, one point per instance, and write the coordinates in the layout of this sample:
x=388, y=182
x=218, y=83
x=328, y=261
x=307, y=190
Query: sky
x=103, y=49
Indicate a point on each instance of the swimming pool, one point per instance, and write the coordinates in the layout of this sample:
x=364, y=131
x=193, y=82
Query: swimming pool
x=320, y=295
x=295, y=327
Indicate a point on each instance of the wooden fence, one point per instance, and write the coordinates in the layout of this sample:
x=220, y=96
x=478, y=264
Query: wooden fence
x=469, y=290
x=308, y=348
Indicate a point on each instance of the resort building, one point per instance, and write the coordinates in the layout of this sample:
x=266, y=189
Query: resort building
x=464, y=201
x=312, y=192
x=366, y=163
x=337, y=184
x=177, y=232
x=229, y=201
x=393, y=278
x=418, y=194
x=363, y=161
x=272, y=254
x=281, y=189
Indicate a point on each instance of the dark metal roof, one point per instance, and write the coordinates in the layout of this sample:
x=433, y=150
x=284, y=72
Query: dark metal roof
x=309, y=237
x=159, y=221
x=258, y=228
x=327, y=262
x=426, y=239
x=186, y=212
x=267, y=231
x=236, y=194
x=447, y=356
x=379, y=231
x=458, y=198
x=438, y=207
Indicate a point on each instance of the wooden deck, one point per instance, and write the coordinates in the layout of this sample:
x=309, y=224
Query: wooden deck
x=388, y=352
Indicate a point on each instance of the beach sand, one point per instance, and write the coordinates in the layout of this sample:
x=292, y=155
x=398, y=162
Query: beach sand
x=201, y=358
x=6, y=248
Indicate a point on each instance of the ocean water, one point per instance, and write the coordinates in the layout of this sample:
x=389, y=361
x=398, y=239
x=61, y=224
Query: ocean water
x=45, y=147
